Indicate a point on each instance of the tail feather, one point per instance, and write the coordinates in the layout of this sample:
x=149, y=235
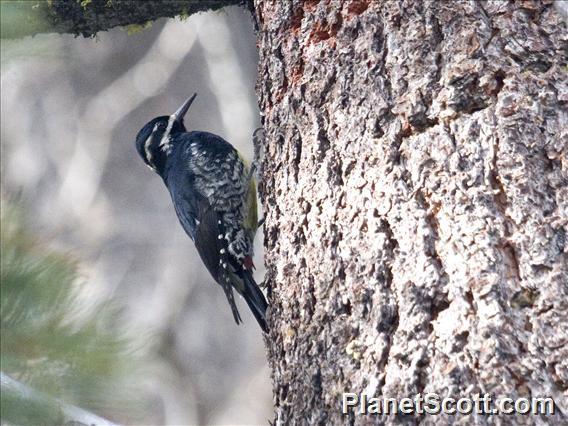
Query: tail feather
x=255, y=300
x=231, y=299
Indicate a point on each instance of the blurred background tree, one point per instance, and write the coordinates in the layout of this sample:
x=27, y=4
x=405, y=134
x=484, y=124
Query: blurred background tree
x=70, y=109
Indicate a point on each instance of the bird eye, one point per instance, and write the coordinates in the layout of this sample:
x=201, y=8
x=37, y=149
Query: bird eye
x=158, y=127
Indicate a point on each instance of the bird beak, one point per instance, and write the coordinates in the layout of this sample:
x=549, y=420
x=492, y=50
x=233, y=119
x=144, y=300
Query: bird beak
x=182, y=110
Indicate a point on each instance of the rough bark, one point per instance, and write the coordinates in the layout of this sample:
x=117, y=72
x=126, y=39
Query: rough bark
x=87, y=17
x=415, y=190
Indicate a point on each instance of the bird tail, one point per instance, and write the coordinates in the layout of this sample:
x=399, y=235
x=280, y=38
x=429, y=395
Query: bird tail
x=255, y=300
x=231, y=299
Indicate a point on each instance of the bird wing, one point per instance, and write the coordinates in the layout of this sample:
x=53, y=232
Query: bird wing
x=188, y=208
x=203, y=224
x=208, y=187
x=214, y=254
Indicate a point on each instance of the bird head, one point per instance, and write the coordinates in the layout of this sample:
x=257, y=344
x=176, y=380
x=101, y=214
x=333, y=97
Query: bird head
x=154, y=140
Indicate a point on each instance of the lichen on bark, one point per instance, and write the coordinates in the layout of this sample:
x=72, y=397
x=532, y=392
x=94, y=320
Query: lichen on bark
x=87, y=17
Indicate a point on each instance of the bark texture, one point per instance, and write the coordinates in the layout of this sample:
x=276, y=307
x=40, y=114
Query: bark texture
x=415, y=187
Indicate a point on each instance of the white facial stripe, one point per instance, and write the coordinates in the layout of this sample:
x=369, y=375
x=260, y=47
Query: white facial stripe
x=165, y=142
x=147, y=148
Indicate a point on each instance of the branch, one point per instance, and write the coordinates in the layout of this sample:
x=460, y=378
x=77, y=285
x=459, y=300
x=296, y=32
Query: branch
x=20, y=18
x=15, y=395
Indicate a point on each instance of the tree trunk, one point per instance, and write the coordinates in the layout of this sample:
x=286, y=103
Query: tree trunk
x=415, y=190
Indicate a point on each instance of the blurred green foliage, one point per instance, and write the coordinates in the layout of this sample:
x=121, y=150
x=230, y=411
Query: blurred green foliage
x=52, y=340
x=19, y=18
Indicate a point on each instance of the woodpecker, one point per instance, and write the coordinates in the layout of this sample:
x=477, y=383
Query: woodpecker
x=214, y=196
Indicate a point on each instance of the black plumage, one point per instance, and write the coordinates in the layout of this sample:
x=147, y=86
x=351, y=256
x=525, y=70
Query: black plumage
x=214, y=198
